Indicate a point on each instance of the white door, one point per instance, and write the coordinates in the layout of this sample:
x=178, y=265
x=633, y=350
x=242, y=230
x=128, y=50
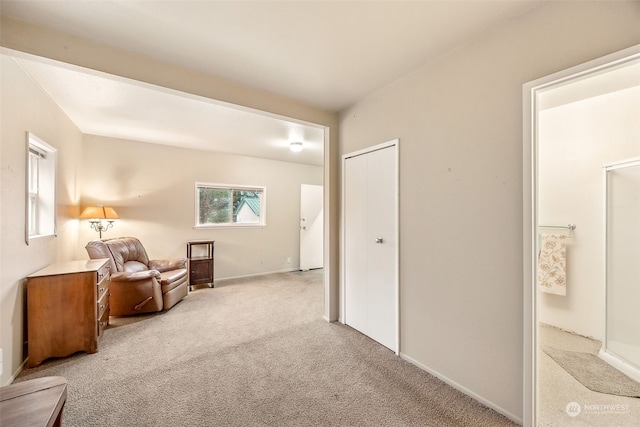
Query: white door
x=370, y=244
x=311, y=225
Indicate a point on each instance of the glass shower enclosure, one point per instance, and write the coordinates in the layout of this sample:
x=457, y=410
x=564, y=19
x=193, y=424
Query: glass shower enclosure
x=621, y=345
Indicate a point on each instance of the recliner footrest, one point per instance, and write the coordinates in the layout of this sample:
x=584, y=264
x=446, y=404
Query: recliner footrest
x=171, y=279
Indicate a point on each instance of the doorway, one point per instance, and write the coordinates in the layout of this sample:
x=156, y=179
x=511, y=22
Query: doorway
x=370, y=243
x=311, y=222
x=568, y=87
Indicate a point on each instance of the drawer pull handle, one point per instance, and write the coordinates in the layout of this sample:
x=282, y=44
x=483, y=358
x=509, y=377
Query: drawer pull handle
x=101, y=306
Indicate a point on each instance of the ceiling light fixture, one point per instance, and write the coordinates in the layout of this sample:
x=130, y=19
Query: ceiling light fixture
x=296, y=147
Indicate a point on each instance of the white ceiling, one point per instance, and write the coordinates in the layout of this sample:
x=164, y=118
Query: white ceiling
x=106, y=105
x=328, y=54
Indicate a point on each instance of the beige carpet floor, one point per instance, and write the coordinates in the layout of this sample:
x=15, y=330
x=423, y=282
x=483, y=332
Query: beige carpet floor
x=559, y=389
x=252, y=352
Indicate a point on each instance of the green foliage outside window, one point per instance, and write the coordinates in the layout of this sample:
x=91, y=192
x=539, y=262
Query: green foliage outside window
x=219, y=206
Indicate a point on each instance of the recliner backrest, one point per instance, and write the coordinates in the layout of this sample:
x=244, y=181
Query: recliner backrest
x=125, y=253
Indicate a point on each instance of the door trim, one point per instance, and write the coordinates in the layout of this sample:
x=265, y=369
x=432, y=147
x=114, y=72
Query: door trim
x=530, y=207
x=393, y=143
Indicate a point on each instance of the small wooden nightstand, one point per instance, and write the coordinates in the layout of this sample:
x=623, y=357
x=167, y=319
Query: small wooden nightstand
x=200, y=262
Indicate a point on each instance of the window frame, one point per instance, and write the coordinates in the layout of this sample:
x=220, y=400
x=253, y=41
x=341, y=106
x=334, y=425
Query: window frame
x=232, y=187
x=40, y=189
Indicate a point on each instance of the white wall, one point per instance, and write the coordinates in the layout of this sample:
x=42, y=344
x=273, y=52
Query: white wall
x=459, y=121
x=25, y=107
x=152, y=187
x=575, y=141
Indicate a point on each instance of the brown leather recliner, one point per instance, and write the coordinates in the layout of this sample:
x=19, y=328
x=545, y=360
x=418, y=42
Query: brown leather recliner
x=139, y=285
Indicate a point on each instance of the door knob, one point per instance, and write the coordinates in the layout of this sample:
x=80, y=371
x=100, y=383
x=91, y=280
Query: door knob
x=378, y=240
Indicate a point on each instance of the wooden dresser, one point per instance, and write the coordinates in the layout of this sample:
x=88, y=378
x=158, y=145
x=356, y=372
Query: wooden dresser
x=67, y=308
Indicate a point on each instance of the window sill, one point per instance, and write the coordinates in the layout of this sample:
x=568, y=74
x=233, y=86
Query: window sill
x=228, y=226
x=37, y=237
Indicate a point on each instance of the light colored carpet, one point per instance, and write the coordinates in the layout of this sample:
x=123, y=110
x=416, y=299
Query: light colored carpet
x=594, y=373
x=558, y=389
x=252, y=352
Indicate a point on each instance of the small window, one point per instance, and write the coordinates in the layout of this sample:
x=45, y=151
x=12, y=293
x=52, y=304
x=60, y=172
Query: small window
x=41, y=189
x=219, y=205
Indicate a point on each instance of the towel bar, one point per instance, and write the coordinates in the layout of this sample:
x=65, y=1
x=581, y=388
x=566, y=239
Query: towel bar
x=569, y=226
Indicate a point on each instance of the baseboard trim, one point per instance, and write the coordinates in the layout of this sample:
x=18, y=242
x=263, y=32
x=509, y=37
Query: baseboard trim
x=16, y=373
x=619, y=364
x=463, y=389
x=287, y=270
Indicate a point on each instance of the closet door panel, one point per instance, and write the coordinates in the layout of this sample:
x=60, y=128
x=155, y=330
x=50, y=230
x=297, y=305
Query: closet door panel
x=382, y=247
x=371, y=245
x=355, y=235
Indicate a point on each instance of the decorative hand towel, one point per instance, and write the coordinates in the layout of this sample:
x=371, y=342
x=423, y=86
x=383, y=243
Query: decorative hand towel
x=552, y=264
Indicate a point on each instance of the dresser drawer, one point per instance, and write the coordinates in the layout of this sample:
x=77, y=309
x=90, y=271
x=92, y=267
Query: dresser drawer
x=103, y=304
x=102, y=288
x=102, y=279
x=103, y=311
x=103, y=320
x=102, y=273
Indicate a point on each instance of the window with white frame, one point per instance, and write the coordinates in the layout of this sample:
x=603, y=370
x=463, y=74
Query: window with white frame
x=41, y=189
x=220, y=205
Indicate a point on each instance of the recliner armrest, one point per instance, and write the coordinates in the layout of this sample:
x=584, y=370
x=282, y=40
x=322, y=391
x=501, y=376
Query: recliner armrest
x=124, y=276
x=167, y=264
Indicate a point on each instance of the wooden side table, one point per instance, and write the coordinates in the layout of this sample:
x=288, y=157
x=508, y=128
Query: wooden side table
x=200, y=262
x=37, y=402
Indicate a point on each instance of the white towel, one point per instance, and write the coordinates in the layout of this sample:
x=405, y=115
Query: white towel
x=552, y=264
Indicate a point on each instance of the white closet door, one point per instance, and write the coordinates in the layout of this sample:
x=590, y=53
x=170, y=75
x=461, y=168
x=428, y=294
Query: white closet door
x=382, y=246
x=356, y=250
x=371, y=245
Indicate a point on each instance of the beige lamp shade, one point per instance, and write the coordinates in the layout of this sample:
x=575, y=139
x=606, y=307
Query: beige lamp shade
x=99, y=212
